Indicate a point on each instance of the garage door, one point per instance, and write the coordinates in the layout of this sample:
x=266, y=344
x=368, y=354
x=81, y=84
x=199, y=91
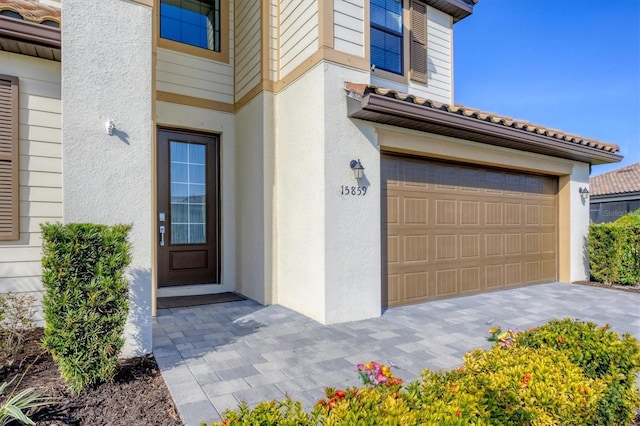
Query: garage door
x=455, y=229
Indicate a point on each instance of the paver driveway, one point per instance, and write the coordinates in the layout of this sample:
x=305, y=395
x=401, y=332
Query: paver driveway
x=214, y=356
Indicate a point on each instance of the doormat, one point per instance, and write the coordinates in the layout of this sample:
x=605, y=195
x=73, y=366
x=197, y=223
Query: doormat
x=202, y=299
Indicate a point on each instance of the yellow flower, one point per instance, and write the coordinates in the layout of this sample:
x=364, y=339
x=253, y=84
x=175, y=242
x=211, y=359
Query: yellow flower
x=494, y=330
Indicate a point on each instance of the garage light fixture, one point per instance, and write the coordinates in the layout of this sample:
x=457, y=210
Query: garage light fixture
x=358, y=170
x=584, y=193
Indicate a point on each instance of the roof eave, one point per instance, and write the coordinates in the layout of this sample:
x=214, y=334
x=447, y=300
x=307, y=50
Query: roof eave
x=458, y=9
x=616, y=196
x=395, y=112
x=30, y=38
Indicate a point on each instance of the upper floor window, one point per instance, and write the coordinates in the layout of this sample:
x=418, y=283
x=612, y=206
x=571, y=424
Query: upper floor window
x=193, y=22
x=386, y=35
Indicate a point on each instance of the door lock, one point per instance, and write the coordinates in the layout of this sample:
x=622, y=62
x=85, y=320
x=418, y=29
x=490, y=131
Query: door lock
x=161, y=235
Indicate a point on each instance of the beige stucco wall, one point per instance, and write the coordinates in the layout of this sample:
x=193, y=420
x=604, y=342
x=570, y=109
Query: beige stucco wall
x=328, y=244
x=255, y=155
x=108, y=178
x=40, y=168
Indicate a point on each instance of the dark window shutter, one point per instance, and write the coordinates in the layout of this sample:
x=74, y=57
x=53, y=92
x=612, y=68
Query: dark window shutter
x=9, y=189
x=418, y=41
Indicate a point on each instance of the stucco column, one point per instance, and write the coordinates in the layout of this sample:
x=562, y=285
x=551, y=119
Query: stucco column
x=106, y=74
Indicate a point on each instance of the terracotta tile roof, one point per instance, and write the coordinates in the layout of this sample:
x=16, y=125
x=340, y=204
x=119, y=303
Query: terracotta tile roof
x=620, y=181
x=32, y=10
x=522, y=125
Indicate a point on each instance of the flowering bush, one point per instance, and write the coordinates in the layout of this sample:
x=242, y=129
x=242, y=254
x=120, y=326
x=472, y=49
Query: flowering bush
x=601, y=354
x=503, y=339
x=565, y=372
x=374, y=374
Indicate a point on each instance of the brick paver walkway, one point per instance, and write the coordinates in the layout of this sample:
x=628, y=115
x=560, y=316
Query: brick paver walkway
x=214, y=356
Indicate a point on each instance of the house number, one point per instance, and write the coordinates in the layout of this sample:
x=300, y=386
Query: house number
x=353, y=190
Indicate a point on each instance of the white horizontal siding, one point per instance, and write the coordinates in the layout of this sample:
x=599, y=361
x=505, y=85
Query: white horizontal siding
x=298, y=33
x=348, y=27
x=31, y=226
x=17, y=270
x=188, y=75
x=439, y=56
x=43, y=179
x=40, y=165
x=248, y=46
x=432, y=92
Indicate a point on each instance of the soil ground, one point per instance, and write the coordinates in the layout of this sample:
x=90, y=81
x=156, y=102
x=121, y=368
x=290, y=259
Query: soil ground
x=627, y=288
x=138, y=396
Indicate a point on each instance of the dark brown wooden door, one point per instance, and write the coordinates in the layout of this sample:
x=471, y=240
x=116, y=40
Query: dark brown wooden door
x=188, y=208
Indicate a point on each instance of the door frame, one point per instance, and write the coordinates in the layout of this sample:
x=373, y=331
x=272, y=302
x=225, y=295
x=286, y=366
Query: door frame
x=214, y=203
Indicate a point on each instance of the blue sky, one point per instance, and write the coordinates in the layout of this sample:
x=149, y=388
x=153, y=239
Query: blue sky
x=572, y=65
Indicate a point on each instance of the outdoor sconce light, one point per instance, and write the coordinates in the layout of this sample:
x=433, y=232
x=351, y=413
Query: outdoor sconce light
x=110, y=126
x=584, y=193
x=358, y=170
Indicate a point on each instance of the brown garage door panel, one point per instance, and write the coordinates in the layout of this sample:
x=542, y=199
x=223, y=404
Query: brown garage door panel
x=455, y=229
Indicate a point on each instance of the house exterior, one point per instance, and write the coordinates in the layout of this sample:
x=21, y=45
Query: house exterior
x=229, y=134
x=614, y=194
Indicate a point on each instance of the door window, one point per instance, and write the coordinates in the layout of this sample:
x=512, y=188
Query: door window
x=188, y=193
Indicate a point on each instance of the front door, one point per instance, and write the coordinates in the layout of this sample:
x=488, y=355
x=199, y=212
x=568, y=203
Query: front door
x=188, y=208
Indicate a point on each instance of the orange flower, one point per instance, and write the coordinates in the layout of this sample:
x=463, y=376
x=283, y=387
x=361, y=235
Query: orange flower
x=526, y=379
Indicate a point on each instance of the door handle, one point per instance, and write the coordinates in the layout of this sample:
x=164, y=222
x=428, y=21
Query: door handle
x=161, y=235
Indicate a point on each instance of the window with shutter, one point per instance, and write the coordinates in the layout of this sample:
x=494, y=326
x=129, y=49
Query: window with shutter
x=9, y=189
x=418, y=42
x=399, y=46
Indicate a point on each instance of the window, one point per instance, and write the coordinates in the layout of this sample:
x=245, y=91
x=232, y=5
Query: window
x=388, y=47
x=193, y=22
x=9, y=201
x=386, y=35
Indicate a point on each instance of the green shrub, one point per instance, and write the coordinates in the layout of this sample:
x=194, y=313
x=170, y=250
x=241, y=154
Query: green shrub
x=602, y=252
x=628, y=254
x=380, y=405
x=524, y=385
x=601, y=354
x=86, y=299
x=614, y=250
x=445, y=398
x=286, y=413
x=16, y=322
x=631, y=218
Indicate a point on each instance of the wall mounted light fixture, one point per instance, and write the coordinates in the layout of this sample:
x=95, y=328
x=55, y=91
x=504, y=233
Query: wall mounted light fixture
x=358, y=170
x=110, y=125
x=584, y=193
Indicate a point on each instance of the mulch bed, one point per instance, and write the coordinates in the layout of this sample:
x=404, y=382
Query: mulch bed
x=138, y=395
x=627, y=288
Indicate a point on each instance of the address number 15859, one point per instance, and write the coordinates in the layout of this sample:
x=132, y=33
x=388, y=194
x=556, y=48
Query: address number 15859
x=353, y=190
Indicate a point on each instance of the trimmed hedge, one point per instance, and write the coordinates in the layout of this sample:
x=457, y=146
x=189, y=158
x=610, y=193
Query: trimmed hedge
x=86, y=300
x=614, y=250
